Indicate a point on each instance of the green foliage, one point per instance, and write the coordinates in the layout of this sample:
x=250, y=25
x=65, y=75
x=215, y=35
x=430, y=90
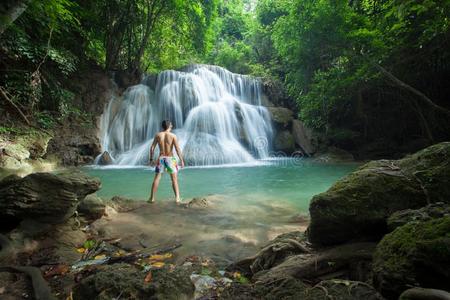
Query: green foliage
x=45, y=119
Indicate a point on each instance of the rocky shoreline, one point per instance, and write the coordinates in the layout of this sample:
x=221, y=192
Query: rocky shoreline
x=382, y=232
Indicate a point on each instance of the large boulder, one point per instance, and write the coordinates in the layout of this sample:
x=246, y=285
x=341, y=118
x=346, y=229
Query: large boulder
x=74, y=144
x=105, y=159
x=16, y=151
x=281, y=117
x=128, y=282
x=357, y=207
x=415, y=254
x=44, y=196
x=303, y=137
x=275, y=94
x=13, y=156
x=284, y=141
x=92, y=207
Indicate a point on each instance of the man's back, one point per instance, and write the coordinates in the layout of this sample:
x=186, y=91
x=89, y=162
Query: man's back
x=165, y=142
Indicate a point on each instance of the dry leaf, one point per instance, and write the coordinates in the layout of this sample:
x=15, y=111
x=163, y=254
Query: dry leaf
x=81, y=250
x=148, y=277
x=57, y=270
x=159, y=257
x=101, y=256
x=158, y=264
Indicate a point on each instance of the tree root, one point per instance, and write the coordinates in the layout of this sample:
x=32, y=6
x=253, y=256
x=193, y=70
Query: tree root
x=313, y=266
x=40, y=287
x=270, y=256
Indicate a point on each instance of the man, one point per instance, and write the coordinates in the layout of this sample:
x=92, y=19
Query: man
x=166, y=141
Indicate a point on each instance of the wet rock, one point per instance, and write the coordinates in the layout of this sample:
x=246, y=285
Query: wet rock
x=284, y=141
x=205, y=201
x=128, y=282
x=357, y=207
x=35, y=142
x=415, y=254
x=105, y=159
x=303, y=137
x=13, y=156
x=334, y=154
x=44, y=196
x=281, y=117
x=276, y=94
x=16, y=151
x=74, y=144
x=122, y=204
x=431, y=211
x=10, y=163
x=92, y=207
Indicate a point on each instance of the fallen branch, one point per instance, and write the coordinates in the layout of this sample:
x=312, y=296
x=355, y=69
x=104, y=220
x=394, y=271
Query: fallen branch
x=407, y=87
x=5, y=96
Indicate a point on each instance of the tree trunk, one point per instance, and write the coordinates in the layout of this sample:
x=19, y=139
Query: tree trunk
x=10, y=12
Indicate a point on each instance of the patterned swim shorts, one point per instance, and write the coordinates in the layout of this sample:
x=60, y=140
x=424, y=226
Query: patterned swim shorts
x=168, y=164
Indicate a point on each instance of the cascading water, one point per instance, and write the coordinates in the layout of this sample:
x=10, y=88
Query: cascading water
x=217, y=116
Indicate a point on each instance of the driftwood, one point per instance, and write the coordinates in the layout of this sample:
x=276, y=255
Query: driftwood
x=313, y=267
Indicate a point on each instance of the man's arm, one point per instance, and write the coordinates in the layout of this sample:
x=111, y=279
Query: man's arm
x=178, y=150
x=152, y=148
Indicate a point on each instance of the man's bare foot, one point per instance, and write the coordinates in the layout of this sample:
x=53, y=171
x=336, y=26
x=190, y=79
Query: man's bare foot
x=178, y=201
x=151, y=200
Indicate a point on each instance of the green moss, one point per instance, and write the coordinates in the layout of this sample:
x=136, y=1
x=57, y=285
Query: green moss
x=412, y=254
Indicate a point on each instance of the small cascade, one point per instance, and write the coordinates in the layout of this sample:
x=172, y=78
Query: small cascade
x=217, y=116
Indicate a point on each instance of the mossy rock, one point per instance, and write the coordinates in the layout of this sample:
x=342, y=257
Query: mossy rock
x=415, y=254
x=128, y=281
x=284, y=141
x=16, y=151
x=92, y=207
x=281, y=117
x=429, y=212
x=357, y=206
x=431, y=168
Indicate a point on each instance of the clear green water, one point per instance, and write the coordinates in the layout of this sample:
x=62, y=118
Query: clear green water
x=284, y=181
x=248, y=206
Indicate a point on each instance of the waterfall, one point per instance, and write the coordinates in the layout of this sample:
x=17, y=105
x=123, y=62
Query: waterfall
x=217, y=116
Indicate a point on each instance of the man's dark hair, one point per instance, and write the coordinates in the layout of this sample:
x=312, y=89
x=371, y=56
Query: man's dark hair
x=166, y=124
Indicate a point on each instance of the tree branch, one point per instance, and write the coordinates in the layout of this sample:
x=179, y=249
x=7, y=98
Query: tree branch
x=3, y=93
x=407, y=87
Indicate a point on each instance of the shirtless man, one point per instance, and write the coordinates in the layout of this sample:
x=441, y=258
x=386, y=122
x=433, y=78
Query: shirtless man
x=166, y=161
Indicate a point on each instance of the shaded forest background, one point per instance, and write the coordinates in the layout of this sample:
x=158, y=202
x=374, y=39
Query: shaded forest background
x=369, y=76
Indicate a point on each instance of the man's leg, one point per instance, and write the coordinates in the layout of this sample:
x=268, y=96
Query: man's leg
x=176, y=190
x=154, y=187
